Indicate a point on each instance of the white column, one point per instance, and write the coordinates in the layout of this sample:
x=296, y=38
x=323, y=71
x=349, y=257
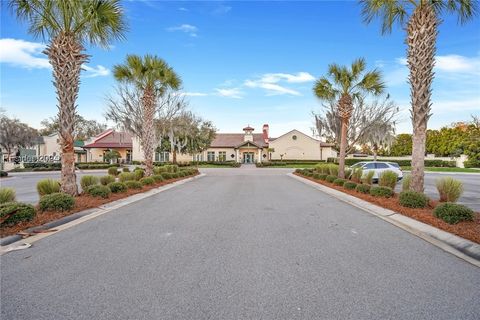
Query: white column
x=238, y=155
x=259, y=155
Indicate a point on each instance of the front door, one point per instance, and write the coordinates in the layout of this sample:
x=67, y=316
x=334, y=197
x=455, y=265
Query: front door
x=248, y=157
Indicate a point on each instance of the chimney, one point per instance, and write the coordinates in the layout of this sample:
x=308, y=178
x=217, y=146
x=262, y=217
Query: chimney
x=265, y=133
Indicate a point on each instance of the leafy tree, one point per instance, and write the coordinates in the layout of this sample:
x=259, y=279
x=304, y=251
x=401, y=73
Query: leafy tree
x=112, y=156
x=402, y=146
x=68, y=26
x=421, y=19
x=15, y=134
x=153, y=77
x=344, y=85
x=83, y=128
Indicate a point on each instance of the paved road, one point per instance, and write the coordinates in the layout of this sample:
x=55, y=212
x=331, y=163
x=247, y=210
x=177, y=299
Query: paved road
x=24, y=184
x=237, y=244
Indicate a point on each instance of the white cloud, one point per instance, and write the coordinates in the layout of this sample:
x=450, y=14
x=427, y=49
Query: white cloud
x=194, y=94
x=186, y=28
x=182, y=9
x=457, y=63
x=28, y=55
x=270, y=82
x=235, y=93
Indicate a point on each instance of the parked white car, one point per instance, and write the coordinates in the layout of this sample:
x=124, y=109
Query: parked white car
x=378, y=167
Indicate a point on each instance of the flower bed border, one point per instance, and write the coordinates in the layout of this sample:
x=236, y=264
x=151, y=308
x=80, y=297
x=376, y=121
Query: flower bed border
x=469, y=230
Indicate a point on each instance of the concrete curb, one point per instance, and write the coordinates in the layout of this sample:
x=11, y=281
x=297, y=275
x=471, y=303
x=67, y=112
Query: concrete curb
x=82, y=216
x=13, y=174
x=447, y=173
x=460, y=247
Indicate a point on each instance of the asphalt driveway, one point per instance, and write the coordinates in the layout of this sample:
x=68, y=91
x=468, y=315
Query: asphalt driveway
x=237, y=244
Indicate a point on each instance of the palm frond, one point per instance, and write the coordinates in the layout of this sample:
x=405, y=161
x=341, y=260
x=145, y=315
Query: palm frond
x=388, y=11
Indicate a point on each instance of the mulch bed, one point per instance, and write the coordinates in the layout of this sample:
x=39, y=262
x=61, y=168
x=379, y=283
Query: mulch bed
x=467, y=229
x=82, y=202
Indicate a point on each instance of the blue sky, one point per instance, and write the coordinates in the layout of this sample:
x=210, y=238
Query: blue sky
x=246, y=62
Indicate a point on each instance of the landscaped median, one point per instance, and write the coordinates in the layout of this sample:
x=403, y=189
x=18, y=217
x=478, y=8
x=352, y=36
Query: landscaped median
x=444, y=213
x=97, y=191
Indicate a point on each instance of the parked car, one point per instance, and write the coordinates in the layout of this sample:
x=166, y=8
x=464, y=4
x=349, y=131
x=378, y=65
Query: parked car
x=378, y=167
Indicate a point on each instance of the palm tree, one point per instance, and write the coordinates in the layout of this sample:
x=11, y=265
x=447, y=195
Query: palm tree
x=152, y=76
x=68, y=26
x=422, y=20
x=345, y=86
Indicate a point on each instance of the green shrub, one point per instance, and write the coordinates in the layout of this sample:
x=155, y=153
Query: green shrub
x=167, y=175
x=333, y=170
x=117, y=187
x=339, y=182
x=308, y=173
x=106, y=180
x=16, y=212
x=158, y=178
x=3, y=173
x=388, y=179
x=406, y=182
x=48, y=186
x=57, y=201
x=298, y=171
x=138, y=173
x=350, y=185
x=331, y=178
x=363, y=188
x=367, y=178
x=322, y=168
x=147, y=181
x=316, y=176
x=113, y=171
x=159, y=170
x=132, y=184
x=323, y=177
x=412, y=199
x=125, y=169
x=449, y=189
x=381, y=191
x=87, y=181
x=99, y=191
x=126, y=176
x=172, y=168
x=7, y=195
x=348, y=173
x=357, y=175
x=453, y=213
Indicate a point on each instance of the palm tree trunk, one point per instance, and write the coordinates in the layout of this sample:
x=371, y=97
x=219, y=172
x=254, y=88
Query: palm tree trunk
x=148, y=134
x=345, y=108
x=66, y=57
x=421, y=39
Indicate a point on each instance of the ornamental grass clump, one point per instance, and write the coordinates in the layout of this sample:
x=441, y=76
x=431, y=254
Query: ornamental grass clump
x=133, y=184
x=158, y=178
x=367, y=178
x=125, y=169
x=322, y=168
x=87, y=181
x=356, y=175
x=14, y=212
x=48, y=186
x=99, y=191
x=339, y=182
x=348, y=173
x=57, y=202
x=450, y=189
x=126, y=176
x=388, y=178
x=381, y=191
x=147, y=181
x=316, y=176
x=322, y=177
x=453, y=213
x=159, y=170
x=138, y=173
x=7, y=195
x=333, y=170
x=106, y=180
x=412, y=199
x=331, y=178
x=406, y=182
x=117, y=187
x=113, y=171
x=363, y=188
x=349, y=185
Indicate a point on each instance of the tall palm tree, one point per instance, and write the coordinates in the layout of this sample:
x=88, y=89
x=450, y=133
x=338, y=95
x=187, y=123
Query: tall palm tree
x=152, y=76
x=422, y=20
x=345, y=85
x=68, y=26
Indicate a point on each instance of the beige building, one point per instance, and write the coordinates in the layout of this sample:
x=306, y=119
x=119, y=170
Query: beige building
x=50, y=146
x=250, y=147
x=107, y=141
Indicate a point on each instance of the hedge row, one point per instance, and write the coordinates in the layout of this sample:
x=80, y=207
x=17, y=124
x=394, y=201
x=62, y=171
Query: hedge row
x=401, y=162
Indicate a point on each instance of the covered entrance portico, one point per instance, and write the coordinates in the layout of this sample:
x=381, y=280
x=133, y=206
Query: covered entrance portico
x=248, y=152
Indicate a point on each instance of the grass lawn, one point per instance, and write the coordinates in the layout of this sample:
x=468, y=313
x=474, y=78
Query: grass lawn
x=441, y=169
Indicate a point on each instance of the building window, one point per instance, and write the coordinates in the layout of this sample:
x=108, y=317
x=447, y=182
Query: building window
x=294, y=137
x=162, y=156
x=198, y=157
x=222, y=156
x=211, y=156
